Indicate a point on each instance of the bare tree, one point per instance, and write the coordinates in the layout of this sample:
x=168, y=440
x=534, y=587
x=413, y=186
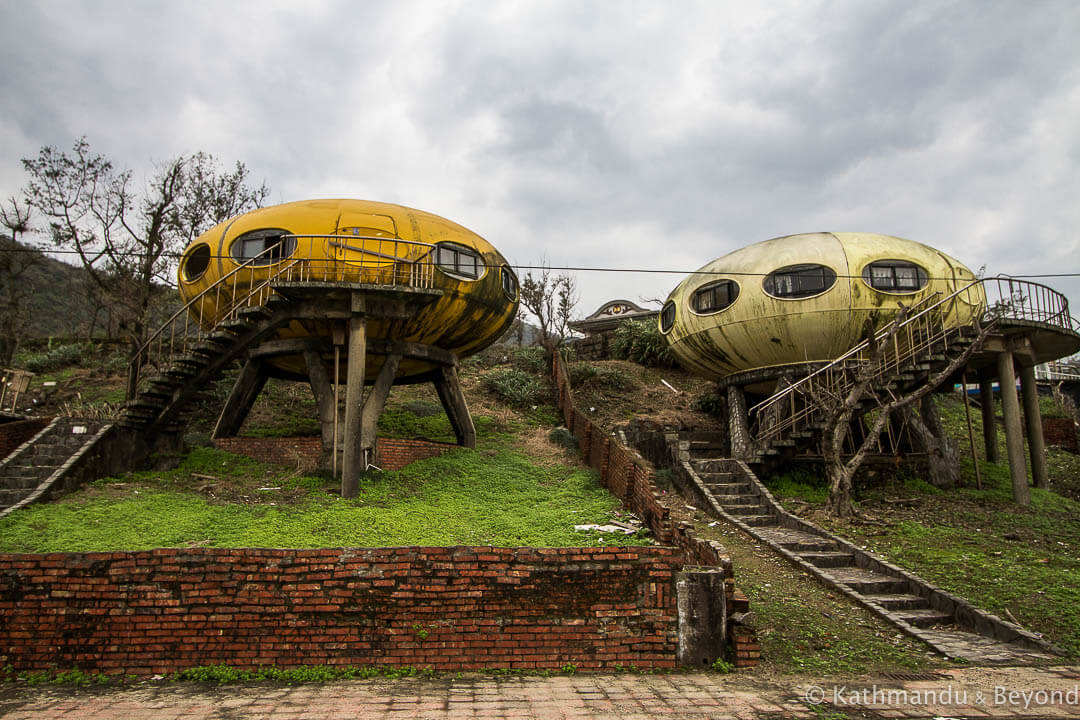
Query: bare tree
x=128, y=241
x=15, y=260
x=550, y=299
x=866, y=383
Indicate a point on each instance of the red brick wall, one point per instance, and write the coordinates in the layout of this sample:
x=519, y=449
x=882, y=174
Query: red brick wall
x=630, y=478
x=460, y=608
x=299, y=452
x=1060, y=432
x=15, y=433
x=303, y=452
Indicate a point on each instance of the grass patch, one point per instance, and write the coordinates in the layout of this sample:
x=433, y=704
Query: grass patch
x=1023, y=562
x=463, y=497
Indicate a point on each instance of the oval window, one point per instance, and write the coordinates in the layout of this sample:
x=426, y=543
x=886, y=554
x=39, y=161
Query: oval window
x=263, y=247
x=799, y=281
x=894, y=276
x=667, y=317
x=459, y=260
x=196, y=262
x=714, y=297
x=509, y=283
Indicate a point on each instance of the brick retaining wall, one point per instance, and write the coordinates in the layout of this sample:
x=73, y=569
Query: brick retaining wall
x=303, y=452
x=457, y=608
x=1060, y=432
x=629, y=477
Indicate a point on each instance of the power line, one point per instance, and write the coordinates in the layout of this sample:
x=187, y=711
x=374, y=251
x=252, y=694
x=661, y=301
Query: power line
x=561, y=268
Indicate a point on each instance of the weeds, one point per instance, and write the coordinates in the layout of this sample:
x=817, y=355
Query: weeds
x=516, y=387
x=641, y=342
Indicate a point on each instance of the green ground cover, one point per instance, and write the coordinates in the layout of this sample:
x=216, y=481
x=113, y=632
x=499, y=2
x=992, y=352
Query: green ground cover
x=215, y=499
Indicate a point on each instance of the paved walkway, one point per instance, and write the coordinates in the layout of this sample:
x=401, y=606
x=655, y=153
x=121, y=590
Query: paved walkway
x=965, y=693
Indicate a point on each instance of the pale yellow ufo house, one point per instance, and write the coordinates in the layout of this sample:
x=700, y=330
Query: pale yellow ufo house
x=802, y=299
x=361, y=243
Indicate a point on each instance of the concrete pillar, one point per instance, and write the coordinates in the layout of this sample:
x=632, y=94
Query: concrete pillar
x=1014, y=438
x=702, y=617
x=325, y=399
x=354, y=461
x=448, y=387
x=376, y=401
x=738, y=422
x=242, y=397
x=989, y=418
x=1033, y=419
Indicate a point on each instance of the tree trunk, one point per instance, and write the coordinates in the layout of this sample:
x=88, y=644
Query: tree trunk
x=839, y=503
x=942, y=464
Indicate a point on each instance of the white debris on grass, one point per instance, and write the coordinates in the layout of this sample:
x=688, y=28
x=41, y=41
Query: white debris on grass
x=606, y=529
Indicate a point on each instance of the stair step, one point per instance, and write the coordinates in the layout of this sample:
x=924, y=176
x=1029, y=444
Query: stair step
x=828, y=559
x=728, y=488
x=925, y=617
x=898, y=601
x=205, y=348
x=249, y=314
x=733, y=500
x=757, y=520
x=867, y=582
x=755, y=509
x=714, y=465
x=234, y=325
x=20, y=482
x=804, y=546
x=11, y=497
x=221, y=337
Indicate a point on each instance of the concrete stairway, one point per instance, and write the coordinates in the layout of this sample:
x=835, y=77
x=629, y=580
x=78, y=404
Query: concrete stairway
x=946, y=622
x=37, y=460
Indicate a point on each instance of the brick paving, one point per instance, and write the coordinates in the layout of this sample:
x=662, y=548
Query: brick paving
x=960, y=693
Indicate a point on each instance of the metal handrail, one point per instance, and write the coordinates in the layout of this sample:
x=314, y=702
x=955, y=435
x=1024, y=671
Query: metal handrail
x=393, y=262
x=1016, y=299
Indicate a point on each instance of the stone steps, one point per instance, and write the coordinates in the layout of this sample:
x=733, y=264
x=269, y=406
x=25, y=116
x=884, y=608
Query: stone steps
x=23, y=472
x=897, y=597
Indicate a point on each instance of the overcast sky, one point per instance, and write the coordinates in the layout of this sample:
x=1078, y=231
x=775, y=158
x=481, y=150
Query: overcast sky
x=592, y=133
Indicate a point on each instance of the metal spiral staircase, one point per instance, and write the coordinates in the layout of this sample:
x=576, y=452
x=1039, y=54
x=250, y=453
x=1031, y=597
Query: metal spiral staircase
x=249, y=304
x=899, y=359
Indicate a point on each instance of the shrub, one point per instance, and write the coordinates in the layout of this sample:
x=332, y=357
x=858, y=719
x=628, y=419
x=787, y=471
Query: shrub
x=54, y=358
x=641, y=342
x=711, y=403
x=611, y=378
x=516, y=387
x=530, y=359
x=563, y=438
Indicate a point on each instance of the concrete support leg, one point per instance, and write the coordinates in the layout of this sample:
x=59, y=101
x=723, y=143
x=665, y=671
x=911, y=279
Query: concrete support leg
x=702, y=617
x=354, y=461
x=323, y=390
x=1014, y=438
x=453, y=401
x=1033, y=419
x=241, y=398
x=376, y=401
x=738, y=422
x=989, y=418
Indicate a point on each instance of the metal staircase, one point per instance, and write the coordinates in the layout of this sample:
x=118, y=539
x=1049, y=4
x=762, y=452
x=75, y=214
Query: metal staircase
x=250, y=304
x=899, y=359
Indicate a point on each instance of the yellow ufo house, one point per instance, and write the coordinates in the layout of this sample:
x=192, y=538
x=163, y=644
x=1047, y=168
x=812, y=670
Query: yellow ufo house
x=362, y=243
x=802, y=299
x=339, y=293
